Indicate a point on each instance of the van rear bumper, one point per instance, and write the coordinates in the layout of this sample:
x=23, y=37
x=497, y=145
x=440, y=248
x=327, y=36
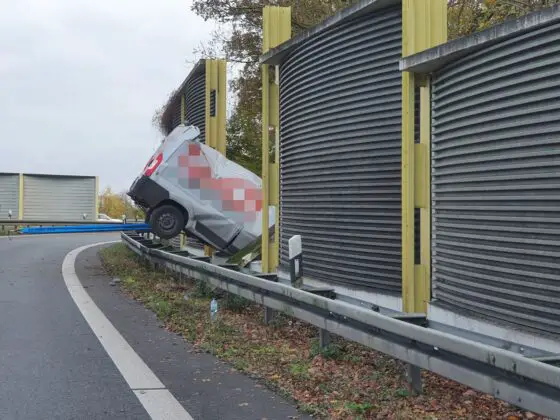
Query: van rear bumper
x=147, y=193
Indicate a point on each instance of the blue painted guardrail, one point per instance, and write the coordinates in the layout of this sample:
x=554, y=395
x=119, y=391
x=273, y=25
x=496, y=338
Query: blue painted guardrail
x=110, y=227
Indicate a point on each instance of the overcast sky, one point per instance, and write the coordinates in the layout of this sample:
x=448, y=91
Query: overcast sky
x=80, y=80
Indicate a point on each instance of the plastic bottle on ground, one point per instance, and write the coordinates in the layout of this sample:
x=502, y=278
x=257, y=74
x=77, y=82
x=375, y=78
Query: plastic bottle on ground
x=213, y=309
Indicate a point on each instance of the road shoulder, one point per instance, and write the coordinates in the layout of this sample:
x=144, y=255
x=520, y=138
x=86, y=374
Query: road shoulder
x=204, y=385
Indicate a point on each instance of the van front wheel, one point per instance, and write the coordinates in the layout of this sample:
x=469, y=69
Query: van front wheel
x=167, y=221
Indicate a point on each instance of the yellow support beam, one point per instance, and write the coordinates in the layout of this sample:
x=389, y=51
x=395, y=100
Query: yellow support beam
x=424, y=26
x=277, y=28
x=215, y=119
x=20, y=198
x=423, y=185
x=183, y=119
x=96, y=211
x=274, y=200
x=221, y=102
x=273, y=183
x=407, y=194
x=265, y=238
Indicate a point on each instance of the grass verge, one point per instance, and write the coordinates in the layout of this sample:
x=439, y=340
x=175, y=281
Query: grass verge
x=343, y=381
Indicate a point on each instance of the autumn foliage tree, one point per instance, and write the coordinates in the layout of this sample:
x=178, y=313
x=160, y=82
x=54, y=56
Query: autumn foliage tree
x=467, y=16
x=116, y=205
x=242, y=45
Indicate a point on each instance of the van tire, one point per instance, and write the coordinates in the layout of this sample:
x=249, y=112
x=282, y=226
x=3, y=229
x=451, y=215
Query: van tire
x=167, y=221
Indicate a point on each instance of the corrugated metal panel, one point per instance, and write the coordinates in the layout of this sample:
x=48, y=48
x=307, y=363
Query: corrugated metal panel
x=175, y=115
x=340, y=109
x=195, y=103
x=496, y=181
x=9, y=195
x=194, y=91
x=58, y=197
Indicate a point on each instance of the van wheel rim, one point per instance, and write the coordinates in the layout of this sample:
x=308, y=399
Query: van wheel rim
x=167, y=221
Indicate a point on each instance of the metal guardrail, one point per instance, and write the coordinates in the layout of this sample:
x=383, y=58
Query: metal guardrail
x=9, y=227
x=109, y=227
x=530, y=384
x=59, y=222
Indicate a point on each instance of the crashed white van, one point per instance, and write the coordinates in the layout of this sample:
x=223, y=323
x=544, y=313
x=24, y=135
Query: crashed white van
x=189, y=186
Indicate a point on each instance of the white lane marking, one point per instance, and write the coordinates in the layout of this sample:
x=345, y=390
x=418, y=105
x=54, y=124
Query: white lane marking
x=157, y=401
x=160, y=404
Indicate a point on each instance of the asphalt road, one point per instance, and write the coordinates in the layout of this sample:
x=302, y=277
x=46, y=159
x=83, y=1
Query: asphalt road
x=52, y=365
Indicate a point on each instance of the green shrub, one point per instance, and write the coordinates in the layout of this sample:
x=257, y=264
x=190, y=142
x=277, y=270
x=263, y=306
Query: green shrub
x=331, y=351
x=235, y=303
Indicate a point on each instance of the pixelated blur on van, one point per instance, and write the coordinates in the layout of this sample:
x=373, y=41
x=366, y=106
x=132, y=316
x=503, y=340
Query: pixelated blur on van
x=187, y=185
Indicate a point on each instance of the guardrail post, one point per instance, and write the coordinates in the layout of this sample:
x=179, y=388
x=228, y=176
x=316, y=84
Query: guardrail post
x=277, y=28
x=414, y=378
x=324, y=338
x=268, y=315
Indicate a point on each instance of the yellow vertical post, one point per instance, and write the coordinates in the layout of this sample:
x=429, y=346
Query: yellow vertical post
x=265, y=238
x=20, y=198
x=422, y=152
x=210, y=121
x=183, y=119
x=215, y=119
x=210, y=69
x=424, y=26
x=407, y=194
x=96, y=211
x=277, y=28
